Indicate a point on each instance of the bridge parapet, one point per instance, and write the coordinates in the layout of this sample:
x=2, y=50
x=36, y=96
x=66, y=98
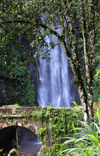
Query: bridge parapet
x=14, y=110
x=25, y=116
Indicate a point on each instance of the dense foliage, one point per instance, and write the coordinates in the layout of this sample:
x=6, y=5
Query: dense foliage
x=16, y=85
x=70, y=135
x=60, y=124
x=86, y=139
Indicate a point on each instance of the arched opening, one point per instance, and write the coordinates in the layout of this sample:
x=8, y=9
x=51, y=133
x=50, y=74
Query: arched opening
x=20, y=138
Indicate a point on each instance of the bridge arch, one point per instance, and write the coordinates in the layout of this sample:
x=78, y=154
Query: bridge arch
x=26, y=137
x=33, y=118
x=30, y=125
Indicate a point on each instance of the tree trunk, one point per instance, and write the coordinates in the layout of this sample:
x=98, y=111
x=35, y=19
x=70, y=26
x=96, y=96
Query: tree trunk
x=88, y=55
x=91, y=65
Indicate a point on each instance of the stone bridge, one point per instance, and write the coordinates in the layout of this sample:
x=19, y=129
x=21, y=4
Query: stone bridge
x=23, y=125
x=22, y=121
x=24, y=117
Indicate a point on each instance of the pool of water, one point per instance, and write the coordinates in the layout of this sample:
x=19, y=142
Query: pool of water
x=30, y=149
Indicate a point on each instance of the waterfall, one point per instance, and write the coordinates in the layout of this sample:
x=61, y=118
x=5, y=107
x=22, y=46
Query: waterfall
x=54, y=79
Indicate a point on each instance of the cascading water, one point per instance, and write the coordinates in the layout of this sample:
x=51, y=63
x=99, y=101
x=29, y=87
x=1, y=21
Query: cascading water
x=54, y=79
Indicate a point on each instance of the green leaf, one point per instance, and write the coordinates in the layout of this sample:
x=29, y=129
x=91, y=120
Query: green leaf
x=68, y=5
x=3, y=38
x=73, y=126
x=51, y=15
x=93, y=137
x=46, y=32
x=89, y=128
x=80, y=139
x=75, y=103
x=98, y=115
x=9, y=67
x=69, y=141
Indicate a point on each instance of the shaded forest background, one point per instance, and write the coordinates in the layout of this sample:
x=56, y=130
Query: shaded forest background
x=18, y=85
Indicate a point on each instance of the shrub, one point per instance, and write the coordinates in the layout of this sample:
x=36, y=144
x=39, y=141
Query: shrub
x=86, y=141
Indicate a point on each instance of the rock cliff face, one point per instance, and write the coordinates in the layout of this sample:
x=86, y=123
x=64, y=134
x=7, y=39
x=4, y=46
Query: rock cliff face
x=33, y=76
x=3, y=94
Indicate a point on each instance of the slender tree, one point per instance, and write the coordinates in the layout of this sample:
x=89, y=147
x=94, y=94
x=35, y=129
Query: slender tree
x=89, y=51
